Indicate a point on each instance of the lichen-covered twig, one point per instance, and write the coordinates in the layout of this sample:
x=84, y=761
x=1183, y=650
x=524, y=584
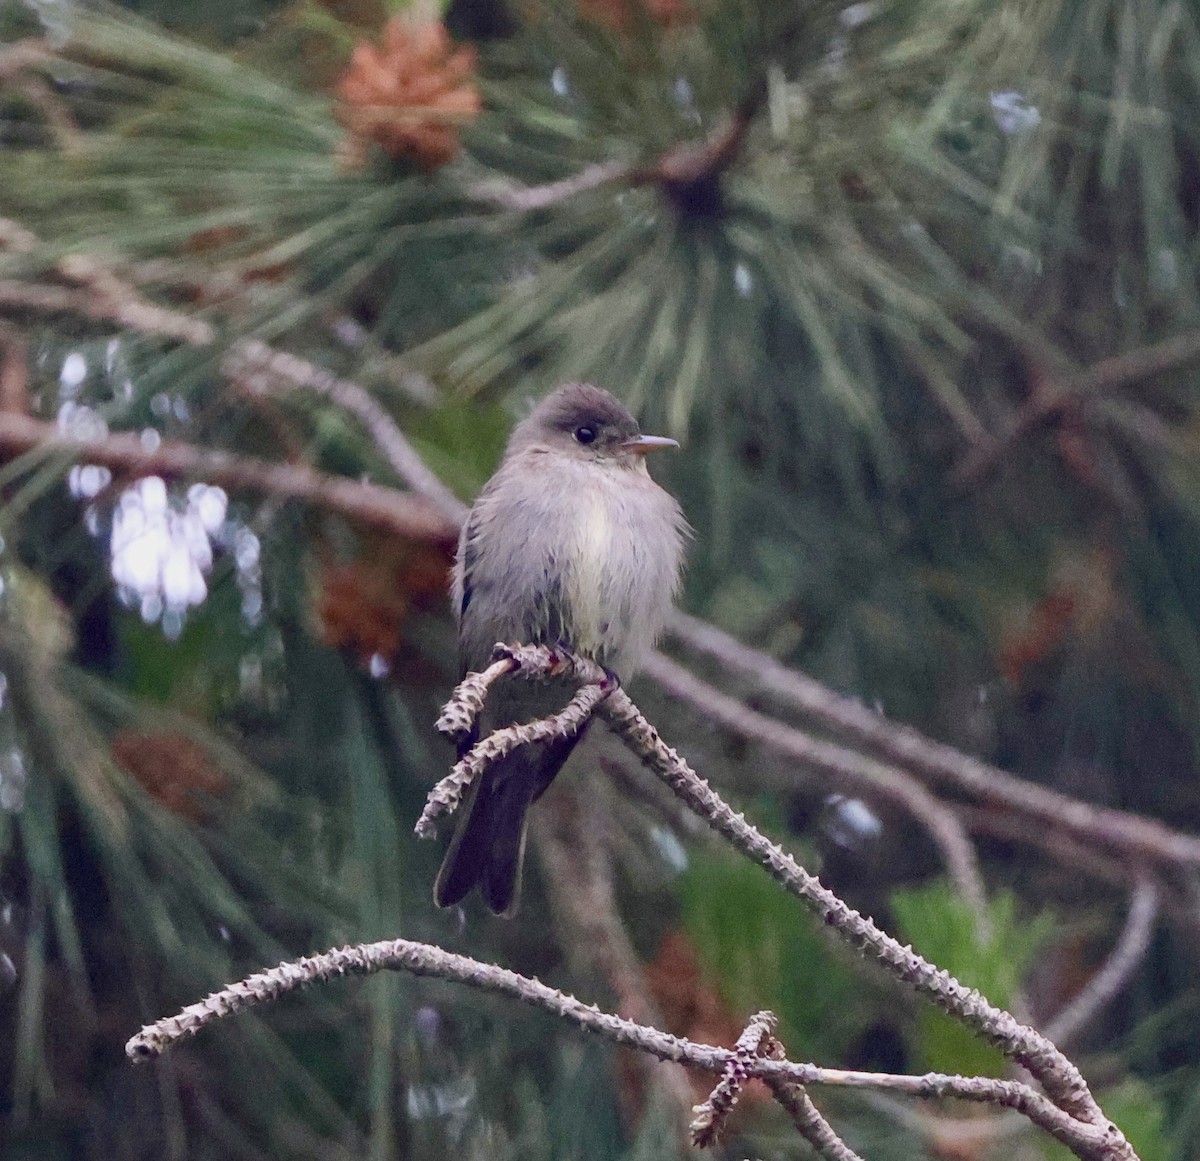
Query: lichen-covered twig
x=1090, y=1142
x=711, y=1116
x=458, y=715
x=1067, y=1110
x=445, y=797
x=1061, y=1079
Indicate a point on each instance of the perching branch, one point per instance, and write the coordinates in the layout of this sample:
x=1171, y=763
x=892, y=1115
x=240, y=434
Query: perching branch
x=448, y=793
x=1101, y=1142
x=1026, y=1046
x=1068, y=1110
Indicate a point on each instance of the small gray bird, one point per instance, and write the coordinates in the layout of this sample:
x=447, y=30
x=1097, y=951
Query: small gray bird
x=570, y=543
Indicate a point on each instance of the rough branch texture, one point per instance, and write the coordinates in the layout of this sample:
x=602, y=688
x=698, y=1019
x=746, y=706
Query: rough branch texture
x=1102, y=1142
x=1061, y=1079
x=1067, y=1111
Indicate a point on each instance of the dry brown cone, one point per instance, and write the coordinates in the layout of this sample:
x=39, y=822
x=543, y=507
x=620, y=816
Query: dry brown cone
x=692, y=1007
x=172, y=769
x=362, y=605
x=409, y=95
x=619, y=15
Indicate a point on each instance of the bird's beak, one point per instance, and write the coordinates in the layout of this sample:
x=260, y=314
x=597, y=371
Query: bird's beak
x=645, y=444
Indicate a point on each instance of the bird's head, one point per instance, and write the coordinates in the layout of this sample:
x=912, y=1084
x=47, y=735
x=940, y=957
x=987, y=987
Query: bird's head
x=586, y=423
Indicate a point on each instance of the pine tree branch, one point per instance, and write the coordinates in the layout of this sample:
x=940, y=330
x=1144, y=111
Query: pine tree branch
x=260, y=369
x=1061, y=1079
x=758, y=1041
x=1125, y=958
x=105, y=304
x=1067, y=1111
x=1137, y=838
x=1091, y=1142
x=406, y=516
x=1055, y=397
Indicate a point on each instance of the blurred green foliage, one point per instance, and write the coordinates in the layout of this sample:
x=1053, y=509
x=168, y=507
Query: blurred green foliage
x=991, y=954
x=764, y=952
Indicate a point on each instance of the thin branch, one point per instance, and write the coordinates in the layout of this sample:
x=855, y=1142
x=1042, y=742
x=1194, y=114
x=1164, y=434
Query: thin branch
x=843, y=767
x=709, y=1123
x=1061, y=1079
x=457, y=719
x=795, y=1101
x=1140, y=838
x=410, y=517
x=678, y=171
x=758, y=1041
x=446, y=796
x=1116, y=970
x=1053, y=399
x=130, y=311
x=1092, y=1142
x=260, y=368
x=508, y=195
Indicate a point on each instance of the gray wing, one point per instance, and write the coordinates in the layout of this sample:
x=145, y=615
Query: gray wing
x=505, y=584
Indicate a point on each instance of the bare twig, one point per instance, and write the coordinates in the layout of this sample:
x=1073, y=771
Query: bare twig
x=1140, y=838
x=407, y=516
x=261, y=368
x=509, y=195
x=1061, y=1079
x=1028, y=1047
x=843, y=767
x=1053, y=399
x=445, y=797
x=458, y=715
x=1115, y=972
x=709, y=1121
x=1100, y=1141
x=102, y=302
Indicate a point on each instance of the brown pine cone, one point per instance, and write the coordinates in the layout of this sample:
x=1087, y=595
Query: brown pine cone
x=410, y=94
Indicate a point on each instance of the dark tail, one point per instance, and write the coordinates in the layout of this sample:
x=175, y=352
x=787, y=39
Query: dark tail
x=489, y=846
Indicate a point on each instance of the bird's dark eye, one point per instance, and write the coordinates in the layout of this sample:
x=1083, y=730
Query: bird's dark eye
x=585, y=434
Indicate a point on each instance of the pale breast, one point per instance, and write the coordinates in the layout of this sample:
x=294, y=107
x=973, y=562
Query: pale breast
x=623, y=565
x=569, y=551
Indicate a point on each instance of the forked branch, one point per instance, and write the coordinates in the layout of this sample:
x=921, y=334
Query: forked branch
x=1067, y=1108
